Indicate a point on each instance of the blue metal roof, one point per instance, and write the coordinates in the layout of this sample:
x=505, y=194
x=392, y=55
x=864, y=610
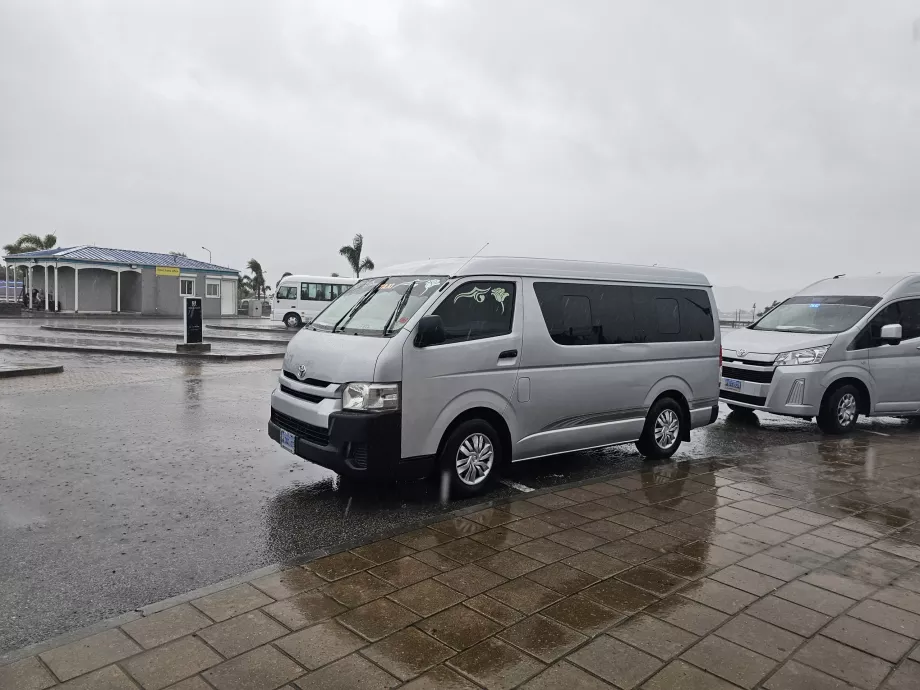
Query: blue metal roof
x=119, y=256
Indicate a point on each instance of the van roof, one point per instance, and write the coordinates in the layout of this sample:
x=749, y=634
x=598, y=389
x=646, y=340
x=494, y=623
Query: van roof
x=547, y=268
x=870, y=286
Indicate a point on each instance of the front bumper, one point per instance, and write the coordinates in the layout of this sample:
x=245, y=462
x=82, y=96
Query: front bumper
x=794, y=391
x=355, y=444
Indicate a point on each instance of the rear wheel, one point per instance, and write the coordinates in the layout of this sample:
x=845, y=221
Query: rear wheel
x=471, y=457
x=840, y=410
x=664, y=428
x=292, y=320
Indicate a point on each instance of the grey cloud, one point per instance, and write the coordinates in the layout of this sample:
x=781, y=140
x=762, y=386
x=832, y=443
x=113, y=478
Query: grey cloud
x=765, y=143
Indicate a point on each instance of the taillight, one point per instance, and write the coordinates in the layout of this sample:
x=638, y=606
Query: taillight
x=720, y=356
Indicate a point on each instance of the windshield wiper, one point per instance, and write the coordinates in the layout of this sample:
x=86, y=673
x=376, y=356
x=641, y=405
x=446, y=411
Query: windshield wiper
x=400, y=305
x=360, y=303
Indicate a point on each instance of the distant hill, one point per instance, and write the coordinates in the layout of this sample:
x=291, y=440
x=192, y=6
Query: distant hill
x=731, y=299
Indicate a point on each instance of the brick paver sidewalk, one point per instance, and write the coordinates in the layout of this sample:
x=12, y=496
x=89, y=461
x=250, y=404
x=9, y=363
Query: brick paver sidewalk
x=795, y=568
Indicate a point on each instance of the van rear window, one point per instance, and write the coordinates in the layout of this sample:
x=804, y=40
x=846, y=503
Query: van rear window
x=597, y=314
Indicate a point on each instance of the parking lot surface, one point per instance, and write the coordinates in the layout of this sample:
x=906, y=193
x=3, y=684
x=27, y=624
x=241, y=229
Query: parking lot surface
x=786, y=569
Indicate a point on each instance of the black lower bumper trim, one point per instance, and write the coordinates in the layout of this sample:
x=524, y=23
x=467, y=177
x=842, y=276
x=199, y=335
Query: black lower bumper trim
x=360, y=445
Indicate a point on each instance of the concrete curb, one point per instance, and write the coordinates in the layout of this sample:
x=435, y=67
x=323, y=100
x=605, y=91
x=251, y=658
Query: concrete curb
x=30, y=371
x=144, y=353
x=155, y=334
x=246, y=328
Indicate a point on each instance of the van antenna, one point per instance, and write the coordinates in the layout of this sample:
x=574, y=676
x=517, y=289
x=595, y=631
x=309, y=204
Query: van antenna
x=471, y=258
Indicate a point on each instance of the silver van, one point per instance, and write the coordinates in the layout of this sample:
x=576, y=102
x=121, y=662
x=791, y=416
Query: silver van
x=840, y=348
x=467, y=365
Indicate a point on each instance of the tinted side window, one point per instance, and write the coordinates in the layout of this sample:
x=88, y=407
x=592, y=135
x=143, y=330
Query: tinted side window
x=869, y=336
x=624, y=314
x=668, y=315
x=910, y=319
x=477, y=310
x=586, y=314
x=287, y=292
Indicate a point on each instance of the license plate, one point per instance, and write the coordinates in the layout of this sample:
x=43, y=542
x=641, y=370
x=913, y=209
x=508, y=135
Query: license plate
x=732, y=384
x=289, y=441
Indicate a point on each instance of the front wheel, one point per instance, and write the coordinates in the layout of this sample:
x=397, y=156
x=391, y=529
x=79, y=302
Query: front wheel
x=839, y=411
x=292, y=320
x=471, y=457
x=664, y=429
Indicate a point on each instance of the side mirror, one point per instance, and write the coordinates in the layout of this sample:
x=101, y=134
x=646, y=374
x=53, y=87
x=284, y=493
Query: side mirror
x=430, y=331
x=891, y=334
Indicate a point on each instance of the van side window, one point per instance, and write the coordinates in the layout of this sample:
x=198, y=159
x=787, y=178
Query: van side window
x=910, y=319
x=477, y=310
x=870, y=335
x=287, y=292
x=668, y=315
x=624, y=314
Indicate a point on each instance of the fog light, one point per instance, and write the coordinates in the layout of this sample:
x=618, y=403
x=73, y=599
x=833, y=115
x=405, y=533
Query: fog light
x=797, y=393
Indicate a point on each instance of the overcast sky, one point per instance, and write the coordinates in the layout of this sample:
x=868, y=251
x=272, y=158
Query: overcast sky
x=765, y=143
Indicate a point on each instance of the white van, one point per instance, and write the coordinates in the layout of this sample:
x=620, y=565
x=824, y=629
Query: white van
x=842, y=347
x=300, y=298
x=466, y=365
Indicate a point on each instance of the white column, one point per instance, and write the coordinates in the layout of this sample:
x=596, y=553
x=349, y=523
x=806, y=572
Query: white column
x=76, y=289
x=6, y=285
x=46, y=287
x=30, y=267
x=56, y=296
x=118, y=287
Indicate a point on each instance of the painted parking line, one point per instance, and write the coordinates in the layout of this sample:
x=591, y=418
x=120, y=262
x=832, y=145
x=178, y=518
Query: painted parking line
x=517, y=486
x=877, y=433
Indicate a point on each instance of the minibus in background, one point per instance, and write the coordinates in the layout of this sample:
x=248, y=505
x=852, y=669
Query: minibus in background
x=300, y=298
x=842, y=347
x=464, y=365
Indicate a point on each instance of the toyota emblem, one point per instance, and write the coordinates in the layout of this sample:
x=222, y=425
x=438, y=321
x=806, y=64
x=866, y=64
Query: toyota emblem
x=302, y=372
x=741, y=353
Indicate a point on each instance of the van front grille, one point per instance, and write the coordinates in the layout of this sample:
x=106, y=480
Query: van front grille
x=741, y=397
x=309, y=397
x=309, y=382
x=752, y=375
x=748, y=362
x=314, y=434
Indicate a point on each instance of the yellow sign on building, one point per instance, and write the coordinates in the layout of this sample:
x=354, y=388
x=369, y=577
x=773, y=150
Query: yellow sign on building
x=168, y=271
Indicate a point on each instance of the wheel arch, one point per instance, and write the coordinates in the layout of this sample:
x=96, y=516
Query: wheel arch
x=489, y=415
x=865, y=402
x=681, y=399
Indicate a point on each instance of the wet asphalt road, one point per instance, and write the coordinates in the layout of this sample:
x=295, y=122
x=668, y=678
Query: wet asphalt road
x=126, y=482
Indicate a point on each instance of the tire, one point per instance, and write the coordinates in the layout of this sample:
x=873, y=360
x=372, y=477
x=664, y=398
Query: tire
x=473, y=438
x=737, y=409
x=840, y=410
x=664, y=430
x=292, y=320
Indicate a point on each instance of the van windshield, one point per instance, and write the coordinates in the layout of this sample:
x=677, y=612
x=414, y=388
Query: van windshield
x=817, y=314
x=378, y=306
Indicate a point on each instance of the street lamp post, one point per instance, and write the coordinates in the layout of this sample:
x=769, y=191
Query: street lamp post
x=209, y=254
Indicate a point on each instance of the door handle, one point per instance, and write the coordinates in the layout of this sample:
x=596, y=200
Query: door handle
x=508, y=354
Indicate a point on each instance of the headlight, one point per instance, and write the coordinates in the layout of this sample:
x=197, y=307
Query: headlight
x=811, y=355
x=370, y=396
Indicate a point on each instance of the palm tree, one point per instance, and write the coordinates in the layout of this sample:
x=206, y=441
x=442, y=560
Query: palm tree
x=182, y=254
x=245, y=285
x=283, y=276
x=258, y=277
x=30, y=243
x=353, y=255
